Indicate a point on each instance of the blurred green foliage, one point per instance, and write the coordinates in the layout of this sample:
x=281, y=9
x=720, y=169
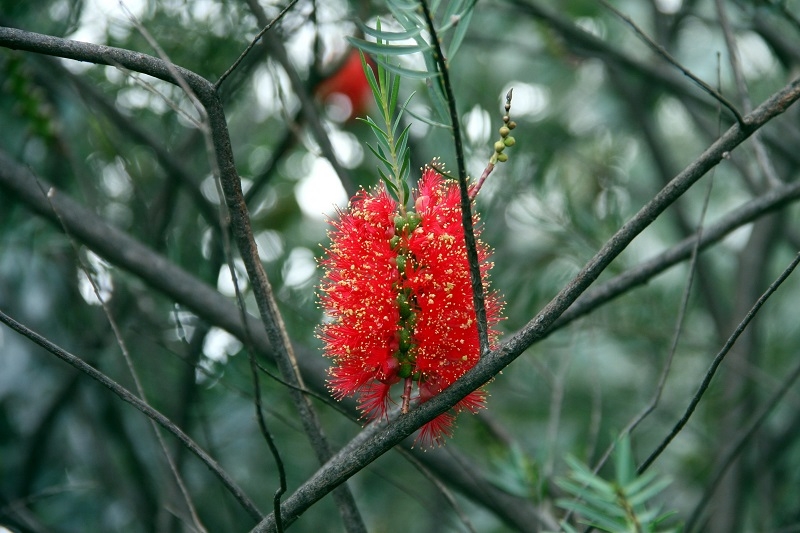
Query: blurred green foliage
x=603, y=123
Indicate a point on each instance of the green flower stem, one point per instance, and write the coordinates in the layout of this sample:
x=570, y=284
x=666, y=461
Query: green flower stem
x=466, y=211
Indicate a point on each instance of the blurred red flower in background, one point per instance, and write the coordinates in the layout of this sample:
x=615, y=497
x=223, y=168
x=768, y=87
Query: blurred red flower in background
x=397, y=292
x=347, y=90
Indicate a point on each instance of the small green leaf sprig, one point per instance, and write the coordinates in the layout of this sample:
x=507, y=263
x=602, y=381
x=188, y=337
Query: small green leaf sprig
x=392, y=147
x=453, y=19
x=624, y=504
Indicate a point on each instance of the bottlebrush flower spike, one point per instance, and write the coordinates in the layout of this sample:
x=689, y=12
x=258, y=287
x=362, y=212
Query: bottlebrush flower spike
x=397, y=292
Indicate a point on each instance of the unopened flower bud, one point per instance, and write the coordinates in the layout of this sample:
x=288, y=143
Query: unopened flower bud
x=502, y=157
x=499, y=146
x=504, y=131
x=511, y=125
x=509, y=141
x=413, y=221
x=406, y=369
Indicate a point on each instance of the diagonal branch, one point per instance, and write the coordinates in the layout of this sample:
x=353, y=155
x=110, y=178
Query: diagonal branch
x=660, y=50
x=206, y=94
x=351, y=459
x=709, y=375
x=127, y=396
x=168, y=279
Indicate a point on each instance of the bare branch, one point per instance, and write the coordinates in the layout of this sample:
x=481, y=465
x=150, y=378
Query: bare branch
x=126, y=396
x=709, y=375
x=353, y=458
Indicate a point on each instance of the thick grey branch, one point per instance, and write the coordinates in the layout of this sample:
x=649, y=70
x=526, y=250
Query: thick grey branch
x=350, y=460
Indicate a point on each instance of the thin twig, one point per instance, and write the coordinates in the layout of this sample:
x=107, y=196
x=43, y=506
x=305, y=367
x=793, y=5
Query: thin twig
x=660, y=50
x=422, y=469
x=251, y=356
x=641, y=274
x=466, y=209
x=693, y=265
x=351, y=459
x=762, y=158
x=253, y=43
x=131, y=369
x=736, y=449
x=126, y=396
x=308, y=107
x=662, y=380
x=165, y=277
x=715, y=365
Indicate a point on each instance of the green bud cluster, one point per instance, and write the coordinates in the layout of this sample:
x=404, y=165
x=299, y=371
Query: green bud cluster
x=506, y=139
x=406, y=351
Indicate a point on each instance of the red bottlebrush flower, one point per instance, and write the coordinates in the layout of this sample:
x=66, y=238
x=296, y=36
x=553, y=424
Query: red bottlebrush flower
x=350, y=82
x=397, y=291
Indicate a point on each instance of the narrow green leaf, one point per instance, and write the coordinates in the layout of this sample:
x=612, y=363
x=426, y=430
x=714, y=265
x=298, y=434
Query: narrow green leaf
x=638, y=484
x=405, y=170
x=387, y=50
x=594, y=518
x=389, y=35
x=393, y=94
x=382, y=137
x=623, y=461
x=402, y=140
x=400, y=113
x=406, y=72
x=389, y=184
x=379, y=156
x=404, y=4
x=453, y=8
x=428, y=121
x=439, y=100
x=406, y=191
x=647, y=494
x=567, y=528
x=403, y=13
x=461, y=31
x=373, y=83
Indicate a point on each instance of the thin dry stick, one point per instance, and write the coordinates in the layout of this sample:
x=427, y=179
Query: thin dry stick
x=251, y=356
x=715, y=365
x=224, y=216
x=441, y=487
x=253, y=43
x=741, y=86
x=650, y=407
x=351, y=459
x=674, y=62
x=131, y=369
x=466, y=209
x=127, y=396
x=177, y=77
x=740, y=444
